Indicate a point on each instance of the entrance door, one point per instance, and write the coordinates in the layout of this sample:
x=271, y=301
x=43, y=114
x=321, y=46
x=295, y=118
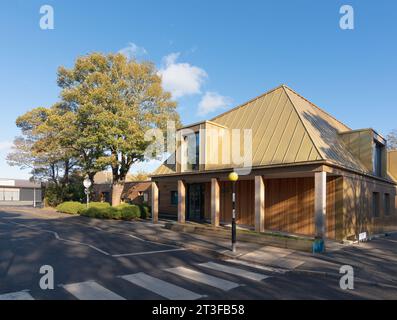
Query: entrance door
x=195, y=210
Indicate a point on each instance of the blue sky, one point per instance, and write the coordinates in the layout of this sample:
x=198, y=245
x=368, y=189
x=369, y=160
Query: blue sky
x=213, y=54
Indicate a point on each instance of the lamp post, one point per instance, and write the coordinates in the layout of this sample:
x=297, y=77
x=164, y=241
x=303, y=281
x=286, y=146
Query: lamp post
x=233, y=177
x=87, y=184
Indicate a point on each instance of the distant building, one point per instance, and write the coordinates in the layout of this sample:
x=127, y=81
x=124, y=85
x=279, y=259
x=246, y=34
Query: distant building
x=137, y=192
x=19, y=192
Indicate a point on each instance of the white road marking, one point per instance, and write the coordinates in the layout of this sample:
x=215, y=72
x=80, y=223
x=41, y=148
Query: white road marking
x=90, y=290
x=20, y=295
x=160, y=287
x=57, y=237
x=234, y=271
x=126, y=234
x=212, y=281
x=257, y=266
x=145, y=252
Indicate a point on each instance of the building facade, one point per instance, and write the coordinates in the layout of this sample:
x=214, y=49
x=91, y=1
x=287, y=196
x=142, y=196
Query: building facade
x=306, y=173
x=20, y=192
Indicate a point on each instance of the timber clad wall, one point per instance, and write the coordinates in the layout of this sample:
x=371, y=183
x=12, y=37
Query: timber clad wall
x=360, y=145
x=165, y=205
x=358, y=206
x=289, y=204
x=392, y=163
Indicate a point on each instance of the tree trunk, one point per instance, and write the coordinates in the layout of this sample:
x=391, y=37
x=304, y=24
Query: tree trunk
x=117, y=190
x=66, y=174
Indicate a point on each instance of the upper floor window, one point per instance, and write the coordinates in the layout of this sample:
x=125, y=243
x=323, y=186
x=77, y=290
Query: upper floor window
x=377, y=158
x=192, y=151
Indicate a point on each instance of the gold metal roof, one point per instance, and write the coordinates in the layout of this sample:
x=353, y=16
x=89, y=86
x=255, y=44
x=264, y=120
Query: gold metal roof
x=287, y=129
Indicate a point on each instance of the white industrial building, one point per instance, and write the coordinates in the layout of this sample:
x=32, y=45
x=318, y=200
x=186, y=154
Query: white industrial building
x=20, y=192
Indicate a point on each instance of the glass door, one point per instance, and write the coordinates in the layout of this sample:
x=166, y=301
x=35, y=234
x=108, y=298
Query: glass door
x=195, y=202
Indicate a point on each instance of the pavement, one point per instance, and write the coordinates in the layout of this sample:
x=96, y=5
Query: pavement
x=107, y=259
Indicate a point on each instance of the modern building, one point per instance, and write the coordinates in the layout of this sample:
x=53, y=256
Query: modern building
x=310, y=173
x=19, y=192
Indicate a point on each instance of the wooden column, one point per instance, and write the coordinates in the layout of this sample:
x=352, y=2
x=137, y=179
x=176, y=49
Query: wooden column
x=320, y=203
x=181, y=201
x=155, y=202
x=215, y=202
x=259, y=204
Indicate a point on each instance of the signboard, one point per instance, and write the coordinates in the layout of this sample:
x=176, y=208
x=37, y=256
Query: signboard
x=362, y=236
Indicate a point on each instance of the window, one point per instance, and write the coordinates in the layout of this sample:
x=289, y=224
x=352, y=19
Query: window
x=174, y=198
x=386, y=203
x=377, y=158
x=9, y=194
x=192, y=151
x=375, y=204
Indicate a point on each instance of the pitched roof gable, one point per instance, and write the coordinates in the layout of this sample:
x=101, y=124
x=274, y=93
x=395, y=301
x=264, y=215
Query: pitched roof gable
x=279, y=136
x=324, y=131
x=287, y=129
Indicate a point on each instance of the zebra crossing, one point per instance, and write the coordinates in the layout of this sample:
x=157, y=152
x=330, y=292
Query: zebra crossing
x=160, y=287
x=20, y=295
x=91, y=290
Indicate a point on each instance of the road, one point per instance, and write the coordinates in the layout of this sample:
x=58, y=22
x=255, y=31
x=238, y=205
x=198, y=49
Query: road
x=91, y=263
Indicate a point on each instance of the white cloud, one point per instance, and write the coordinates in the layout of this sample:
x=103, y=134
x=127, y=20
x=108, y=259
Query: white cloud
x=211, y=102
x=133, y=51
x=181, y=79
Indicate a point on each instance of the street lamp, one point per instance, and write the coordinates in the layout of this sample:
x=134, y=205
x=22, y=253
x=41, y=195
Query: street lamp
x=233, y=177
x=87, y=184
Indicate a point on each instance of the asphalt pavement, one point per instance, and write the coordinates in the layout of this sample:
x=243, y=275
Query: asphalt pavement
x=109, y=260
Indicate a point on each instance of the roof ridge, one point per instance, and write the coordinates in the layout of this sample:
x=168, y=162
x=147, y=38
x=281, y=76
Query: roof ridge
x=304, y=125
x=247, y=102
x=316, y=106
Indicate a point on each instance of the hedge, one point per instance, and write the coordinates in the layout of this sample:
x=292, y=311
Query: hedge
x=71, y=207
x=103, y=210
x=130, y=212
x=99, y=205
x=124, y=212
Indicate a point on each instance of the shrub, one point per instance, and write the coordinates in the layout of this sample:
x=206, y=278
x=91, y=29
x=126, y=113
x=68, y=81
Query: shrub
x=99, y=213
x=70, y=207
x=116, y=213
x=99, y=205
x=57, y=194
x=90, y=212
x=124, y=212
x=130, y=212
x=145, y=211
x=108, y=213
x=123, y=205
